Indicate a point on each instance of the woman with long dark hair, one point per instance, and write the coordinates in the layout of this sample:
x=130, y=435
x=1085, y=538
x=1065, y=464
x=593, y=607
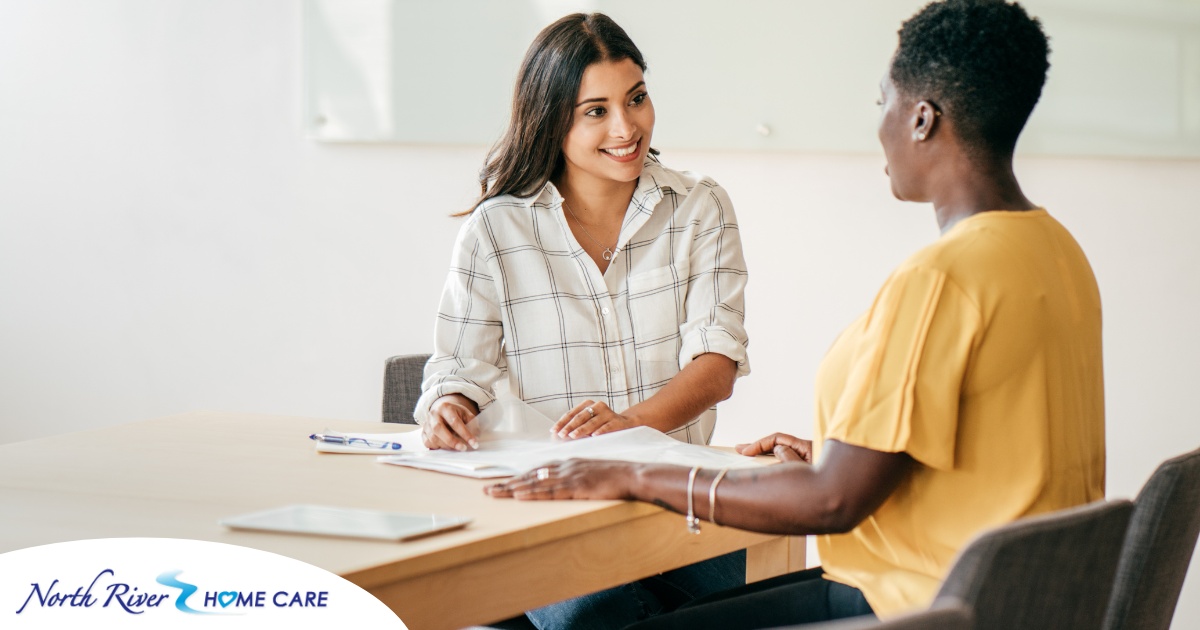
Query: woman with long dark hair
x=603, y=288
x=969, y=395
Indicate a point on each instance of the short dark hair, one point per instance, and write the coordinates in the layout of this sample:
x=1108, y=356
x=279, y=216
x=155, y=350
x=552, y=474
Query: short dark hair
x=530, y=152
x=983, y=62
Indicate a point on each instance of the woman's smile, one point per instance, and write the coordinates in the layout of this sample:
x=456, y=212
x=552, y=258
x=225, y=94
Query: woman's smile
x=624, y=153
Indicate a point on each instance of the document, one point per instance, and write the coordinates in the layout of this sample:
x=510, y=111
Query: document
x=514, y=438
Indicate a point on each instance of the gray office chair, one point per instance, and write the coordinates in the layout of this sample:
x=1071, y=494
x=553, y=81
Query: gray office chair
x=1053, y=571
x=1158, y=547
x=402, y=378
x=945, y=614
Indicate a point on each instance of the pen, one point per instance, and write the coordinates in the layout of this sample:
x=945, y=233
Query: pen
x=354, y=441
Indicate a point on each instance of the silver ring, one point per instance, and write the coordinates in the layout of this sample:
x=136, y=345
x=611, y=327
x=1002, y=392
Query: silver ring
x=543, y=474
x=591, y=411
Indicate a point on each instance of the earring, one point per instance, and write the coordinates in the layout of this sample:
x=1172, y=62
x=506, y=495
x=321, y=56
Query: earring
x=918, y=136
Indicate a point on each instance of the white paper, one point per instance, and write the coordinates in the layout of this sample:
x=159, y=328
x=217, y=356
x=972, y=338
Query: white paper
x=514, y=438
x=437, y=463
x=508, y=417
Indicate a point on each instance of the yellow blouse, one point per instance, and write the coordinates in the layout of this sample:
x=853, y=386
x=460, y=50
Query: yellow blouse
x=981, y=359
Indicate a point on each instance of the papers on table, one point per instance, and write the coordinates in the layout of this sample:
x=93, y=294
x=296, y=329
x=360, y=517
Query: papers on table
x=440, y=462
x=515, y=438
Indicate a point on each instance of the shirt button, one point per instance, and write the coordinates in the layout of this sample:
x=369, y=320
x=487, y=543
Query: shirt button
x=604, y=310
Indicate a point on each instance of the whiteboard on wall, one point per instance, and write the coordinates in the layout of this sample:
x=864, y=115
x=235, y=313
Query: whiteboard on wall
x=775, y=75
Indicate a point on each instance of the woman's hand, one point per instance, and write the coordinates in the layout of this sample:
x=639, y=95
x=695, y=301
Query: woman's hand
x=786, y=447
x=590, y=418
x=572, y=479
x=446, y=427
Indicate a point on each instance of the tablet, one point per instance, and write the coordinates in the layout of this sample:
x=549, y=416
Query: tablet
x=322, y=520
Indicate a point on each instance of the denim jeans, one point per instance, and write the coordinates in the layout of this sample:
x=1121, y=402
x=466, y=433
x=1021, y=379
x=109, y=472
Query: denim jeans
x=629, y=603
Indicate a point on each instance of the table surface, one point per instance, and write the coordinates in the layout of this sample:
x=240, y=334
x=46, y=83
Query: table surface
x=177, y=476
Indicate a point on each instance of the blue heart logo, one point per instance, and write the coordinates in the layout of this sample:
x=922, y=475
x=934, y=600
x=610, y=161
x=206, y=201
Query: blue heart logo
x=225, y=598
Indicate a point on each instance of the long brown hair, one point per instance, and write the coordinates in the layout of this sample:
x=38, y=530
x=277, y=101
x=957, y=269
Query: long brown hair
x=529, y=154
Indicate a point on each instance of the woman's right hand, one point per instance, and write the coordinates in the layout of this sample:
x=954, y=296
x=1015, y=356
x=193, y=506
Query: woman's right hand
x=787, y=448
x=446, y=426
x=572, y=479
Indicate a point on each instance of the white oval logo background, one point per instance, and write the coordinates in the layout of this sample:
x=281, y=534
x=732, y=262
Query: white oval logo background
x=175, y=583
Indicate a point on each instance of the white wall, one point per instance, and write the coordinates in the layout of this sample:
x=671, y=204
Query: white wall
x=168, y=242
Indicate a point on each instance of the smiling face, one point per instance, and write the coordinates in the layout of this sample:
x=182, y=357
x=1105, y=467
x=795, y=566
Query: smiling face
x=611, y=124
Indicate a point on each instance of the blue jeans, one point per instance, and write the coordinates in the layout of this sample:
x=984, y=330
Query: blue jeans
x=629, y=603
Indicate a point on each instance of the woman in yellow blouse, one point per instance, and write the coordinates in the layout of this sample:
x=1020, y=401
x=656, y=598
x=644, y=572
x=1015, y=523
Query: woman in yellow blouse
x=969, y=395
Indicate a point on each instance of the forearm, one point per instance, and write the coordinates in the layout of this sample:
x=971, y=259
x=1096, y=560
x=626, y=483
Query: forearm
x=846, y=486
x=704, y=382
x=787, y=499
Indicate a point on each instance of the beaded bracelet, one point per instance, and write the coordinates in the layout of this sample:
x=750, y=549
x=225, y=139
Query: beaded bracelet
x=693, y=523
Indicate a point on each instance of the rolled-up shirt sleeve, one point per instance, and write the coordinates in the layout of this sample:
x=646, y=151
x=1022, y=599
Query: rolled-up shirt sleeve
x=715, y=306
x=468, y=356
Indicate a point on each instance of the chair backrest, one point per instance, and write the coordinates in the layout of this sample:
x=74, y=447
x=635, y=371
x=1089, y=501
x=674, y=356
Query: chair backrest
x=402, y=386
x=1158, y=547
x=945, y=614
x=1052, y=571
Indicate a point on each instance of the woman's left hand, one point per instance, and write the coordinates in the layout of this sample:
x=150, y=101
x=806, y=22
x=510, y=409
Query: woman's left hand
x=590, y=418
x=572, y=479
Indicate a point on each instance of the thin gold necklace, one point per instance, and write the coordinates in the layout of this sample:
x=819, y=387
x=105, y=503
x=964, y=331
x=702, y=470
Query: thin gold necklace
x=608, y=252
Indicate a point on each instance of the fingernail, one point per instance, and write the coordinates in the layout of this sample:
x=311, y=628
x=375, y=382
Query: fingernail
x=460, y=447
x=474, y=443
x=574, y=434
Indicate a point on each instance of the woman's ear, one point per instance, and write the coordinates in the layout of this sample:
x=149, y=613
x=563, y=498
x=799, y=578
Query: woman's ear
x=925, y=120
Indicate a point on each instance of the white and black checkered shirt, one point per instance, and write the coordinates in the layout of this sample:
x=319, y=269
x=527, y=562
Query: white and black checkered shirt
x=524, y=300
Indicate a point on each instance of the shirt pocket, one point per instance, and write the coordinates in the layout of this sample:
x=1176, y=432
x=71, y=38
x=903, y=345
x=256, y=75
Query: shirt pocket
x=656, y=310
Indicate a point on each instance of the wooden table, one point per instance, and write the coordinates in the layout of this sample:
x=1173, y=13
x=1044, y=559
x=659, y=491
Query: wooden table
x=176, y=476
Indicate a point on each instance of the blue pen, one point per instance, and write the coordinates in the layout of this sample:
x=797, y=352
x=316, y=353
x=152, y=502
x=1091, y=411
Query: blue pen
x=354, y=441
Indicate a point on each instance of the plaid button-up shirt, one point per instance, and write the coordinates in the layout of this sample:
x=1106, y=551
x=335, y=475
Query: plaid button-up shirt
x=525, y=303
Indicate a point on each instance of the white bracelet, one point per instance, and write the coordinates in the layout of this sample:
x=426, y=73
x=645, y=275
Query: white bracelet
x=693, y=523
x=712, y=496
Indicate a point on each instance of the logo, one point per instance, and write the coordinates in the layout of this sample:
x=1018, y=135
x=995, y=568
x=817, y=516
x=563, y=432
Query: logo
x=120, y=594
x=117, y=582
x=106, y=591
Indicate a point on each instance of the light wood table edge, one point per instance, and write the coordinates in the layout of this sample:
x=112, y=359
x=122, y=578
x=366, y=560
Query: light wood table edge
x=599, y=559
x=617, y=513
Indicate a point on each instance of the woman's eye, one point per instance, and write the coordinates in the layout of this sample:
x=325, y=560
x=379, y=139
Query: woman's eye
x=639, y=98
x=595, y=112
